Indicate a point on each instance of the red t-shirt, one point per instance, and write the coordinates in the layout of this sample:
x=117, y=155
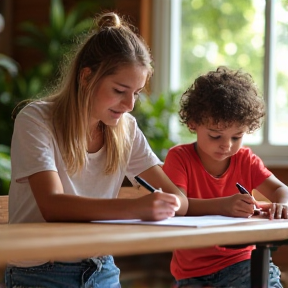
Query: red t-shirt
x=184, y=168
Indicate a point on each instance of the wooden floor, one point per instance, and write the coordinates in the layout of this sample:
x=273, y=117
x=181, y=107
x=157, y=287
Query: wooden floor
x=145, y=271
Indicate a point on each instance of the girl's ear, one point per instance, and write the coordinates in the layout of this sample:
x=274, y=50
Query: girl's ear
x=84, y=74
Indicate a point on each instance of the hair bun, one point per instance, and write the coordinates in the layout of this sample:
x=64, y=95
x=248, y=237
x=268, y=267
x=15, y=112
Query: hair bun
x=110, y=19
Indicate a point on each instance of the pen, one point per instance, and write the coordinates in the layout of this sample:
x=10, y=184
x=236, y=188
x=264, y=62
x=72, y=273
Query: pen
x=243, y=190
x=144, y=184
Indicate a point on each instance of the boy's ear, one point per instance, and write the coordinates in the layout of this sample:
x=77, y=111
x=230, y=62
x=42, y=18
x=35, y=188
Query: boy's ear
x=84, y=74
x=192, y=126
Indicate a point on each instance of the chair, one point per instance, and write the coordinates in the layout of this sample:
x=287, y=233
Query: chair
x=4, y=209
x=3, y=219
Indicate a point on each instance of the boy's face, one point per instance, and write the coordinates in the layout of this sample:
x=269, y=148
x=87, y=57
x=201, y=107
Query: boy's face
x=219, y=142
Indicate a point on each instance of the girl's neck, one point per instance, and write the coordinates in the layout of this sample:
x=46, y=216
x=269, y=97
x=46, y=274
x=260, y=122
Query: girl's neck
x=95, y=139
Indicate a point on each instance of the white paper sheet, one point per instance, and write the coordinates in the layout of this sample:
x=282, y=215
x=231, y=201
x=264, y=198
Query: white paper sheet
x=192, y=221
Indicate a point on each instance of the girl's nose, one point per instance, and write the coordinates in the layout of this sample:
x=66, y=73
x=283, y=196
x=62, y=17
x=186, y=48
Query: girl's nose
x=129, y=101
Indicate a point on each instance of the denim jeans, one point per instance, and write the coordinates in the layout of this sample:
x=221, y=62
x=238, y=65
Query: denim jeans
x=99, y=272
x=234, y=276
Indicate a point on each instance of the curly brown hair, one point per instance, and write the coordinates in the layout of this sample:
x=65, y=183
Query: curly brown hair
x=223, y=96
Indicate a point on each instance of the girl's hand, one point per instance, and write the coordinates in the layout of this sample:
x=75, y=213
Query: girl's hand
x=156, y=206
x=274, y=210
x=238, y=205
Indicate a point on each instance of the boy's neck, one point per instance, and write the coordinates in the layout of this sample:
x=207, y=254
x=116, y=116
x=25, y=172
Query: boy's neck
x=214, y=168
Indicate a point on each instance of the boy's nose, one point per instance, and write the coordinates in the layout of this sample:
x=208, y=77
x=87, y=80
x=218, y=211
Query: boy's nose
x=226, y=144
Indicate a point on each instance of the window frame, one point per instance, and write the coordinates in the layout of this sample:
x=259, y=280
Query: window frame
x=167, y=67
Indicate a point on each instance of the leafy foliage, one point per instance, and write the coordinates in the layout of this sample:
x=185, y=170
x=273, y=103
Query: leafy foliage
x=153, y=115
x=52, y=40
x=5, y=169
x=8, y=72
x=55, y=39
x=221, y=32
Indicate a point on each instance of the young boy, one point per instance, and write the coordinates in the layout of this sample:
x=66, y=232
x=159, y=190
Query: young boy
x=220, y=107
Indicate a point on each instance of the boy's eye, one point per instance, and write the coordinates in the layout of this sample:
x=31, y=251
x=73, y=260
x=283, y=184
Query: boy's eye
x=236, y=138
x=214, y=137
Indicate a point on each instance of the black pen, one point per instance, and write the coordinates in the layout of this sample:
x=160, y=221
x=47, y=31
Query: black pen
x=243, y=190
x=145, y=184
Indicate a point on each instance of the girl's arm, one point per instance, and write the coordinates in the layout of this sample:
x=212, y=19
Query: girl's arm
x=57, y=206
x=277, y=192
x=158, y=179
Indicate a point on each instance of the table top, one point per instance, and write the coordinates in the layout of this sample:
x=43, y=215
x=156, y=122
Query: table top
x=38, y=241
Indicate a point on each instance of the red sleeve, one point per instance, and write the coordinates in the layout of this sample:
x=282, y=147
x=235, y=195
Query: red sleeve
x=251, y=162
x=174, y=167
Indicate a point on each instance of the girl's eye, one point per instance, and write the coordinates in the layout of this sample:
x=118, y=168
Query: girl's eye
x=118, y=91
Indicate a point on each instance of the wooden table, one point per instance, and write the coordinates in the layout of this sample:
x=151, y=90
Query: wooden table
x=79, y=240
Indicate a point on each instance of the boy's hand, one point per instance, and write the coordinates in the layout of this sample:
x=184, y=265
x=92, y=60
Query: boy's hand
x=274, y=210
x=238, y=205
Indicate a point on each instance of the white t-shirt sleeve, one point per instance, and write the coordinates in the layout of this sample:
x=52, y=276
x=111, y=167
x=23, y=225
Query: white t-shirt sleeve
x=142, y=157
x=32, y=146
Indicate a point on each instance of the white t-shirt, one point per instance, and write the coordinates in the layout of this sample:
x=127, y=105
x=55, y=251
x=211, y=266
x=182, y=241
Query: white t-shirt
x=34, y=149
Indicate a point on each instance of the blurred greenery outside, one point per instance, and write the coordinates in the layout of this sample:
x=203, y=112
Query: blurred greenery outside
x=223, y=32
x=232, y=33
x=214, y=33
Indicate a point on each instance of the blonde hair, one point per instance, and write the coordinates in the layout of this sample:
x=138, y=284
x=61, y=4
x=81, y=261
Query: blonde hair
x=111, y=46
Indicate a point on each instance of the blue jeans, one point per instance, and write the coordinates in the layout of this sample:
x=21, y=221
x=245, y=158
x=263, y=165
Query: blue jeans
x=99, y=272
x=234, y=276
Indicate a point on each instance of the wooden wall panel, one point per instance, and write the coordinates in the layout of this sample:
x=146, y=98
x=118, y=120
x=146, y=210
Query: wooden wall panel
x=38, y=12
x=5, y=34
x=129, y=8
x=28, y=10
x=137, y=11
x=281, y=174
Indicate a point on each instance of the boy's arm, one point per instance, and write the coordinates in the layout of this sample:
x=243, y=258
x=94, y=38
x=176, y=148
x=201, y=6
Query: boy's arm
x=274, y=190
x=237, y=205
x=277, y=192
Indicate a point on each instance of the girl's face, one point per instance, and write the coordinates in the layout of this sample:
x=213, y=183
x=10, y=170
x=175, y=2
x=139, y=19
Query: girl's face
x=217, y=143
x=116, y=94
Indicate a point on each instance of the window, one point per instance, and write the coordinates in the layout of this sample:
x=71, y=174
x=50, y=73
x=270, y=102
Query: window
x=191, y=37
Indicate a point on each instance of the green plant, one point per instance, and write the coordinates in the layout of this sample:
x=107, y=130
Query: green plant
x=153, y=114
x=5, y=169
x=56, y=38
x=8, y=71
x=52, y=40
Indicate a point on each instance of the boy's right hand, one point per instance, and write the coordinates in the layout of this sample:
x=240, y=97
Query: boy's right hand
x=238, y=205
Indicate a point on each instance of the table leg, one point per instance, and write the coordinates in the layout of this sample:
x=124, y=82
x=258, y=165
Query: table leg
x=260, y=266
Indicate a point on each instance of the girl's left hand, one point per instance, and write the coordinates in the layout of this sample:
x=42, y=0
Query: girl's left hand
x=274, y=210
